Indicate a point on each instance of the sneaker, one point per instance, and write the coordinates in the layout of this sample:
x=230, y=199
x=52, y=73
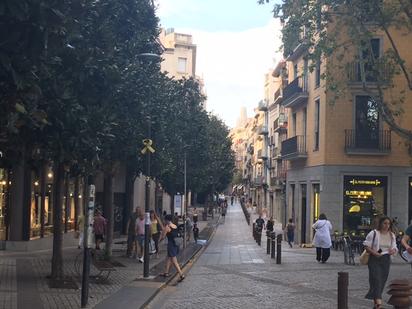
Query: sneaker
x=141, y=260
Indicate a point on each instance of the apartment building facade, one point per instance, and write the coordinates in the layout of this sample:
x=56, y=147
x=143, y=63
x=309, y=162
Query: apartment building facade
x=343, y=159
x=277, y=133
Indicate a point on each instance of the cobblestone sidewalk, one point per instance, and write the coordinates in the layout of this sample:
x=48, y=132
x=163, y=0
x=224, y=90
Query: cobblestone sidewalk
x=23, y=282
x=234, y=272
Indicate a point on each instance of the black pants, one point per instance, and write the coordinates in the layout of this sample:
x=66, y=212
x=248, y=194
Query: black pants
x=322, y=254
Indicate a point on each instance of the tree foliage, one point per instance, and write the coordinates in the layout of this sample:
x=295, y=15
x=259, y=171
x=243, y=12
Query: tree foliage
x=339, y=29
x=75, y=91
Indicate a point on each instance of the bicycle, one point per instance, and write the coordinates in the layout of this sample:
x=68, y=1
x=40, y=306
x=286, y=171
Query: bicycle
x=348, y=253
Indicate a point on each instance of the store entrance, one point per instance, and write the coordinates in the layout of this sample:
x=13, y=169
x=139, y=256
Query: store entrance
x=364, y=199
x=410, y=201
x=4, y=183
x=303, y=212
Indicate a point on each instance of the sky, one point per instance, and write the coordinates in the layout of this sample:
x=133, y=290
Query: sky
x=237, y=42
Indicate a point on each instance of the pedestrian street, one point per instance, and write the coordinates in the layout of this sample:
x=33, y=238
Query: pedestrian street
x=234, y=272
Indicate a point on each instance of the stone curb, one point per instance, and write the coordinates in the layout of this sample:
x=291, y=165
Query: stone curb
x=185, y=267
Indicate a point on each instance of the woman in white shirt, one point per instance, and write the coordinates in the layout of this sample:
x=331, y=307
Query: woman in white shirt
x=322, y=240
x=381, y=245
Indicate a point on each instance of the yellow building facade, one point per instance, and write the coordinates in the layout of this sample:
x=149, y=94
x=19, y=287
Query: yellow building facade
x=343, y=158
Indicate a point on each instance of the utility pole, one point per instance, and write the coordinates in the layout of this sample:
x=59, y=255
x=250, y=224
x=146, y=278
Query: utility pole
x=147, y=150
x=87, y=241
x=185, y=203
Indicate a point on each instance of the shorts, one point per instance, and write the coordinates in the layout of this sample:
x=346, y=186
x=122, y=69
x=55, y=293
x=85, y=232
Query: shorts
x=98, y=237
x=140, y=240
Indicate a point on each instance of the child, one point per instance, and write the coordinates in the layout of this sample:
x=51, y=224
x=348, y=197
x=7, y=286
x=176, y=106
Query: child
x=195, y=232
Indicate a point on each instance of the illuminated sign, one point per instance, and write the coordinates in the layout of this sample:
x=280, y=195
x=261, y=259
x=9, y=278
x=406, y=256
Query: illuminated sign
x=375, y=182
x=357, y=193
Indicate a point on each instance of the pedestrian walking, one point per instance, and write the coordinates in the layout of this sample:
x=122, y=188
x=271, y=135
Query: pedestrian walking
x=322, y=240
x=99, y=228
x=381, y=245
x=195, y=232
x=131, y=250
x=140, y=232
x=155, y=228
x=232, y=198
x=188, y=227
x=195, y=216
x=260, y=223
x=175, y=219
x=270, y=224
x=170, y=231
x=290, y=232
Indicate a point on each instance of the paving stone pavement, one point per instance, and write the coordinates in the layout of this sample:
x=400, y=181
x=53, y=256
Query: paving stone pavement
x=234, y=272
x=23, y=282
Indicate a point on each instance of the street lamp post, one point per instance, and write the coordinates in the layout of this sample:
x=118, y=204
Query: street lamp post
x=185, y=203
x=147, y=150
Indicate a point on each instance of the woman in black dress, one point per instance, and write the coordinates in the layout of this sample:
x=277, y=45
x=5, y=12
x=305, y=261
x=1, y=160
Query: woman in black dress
x=170, y=231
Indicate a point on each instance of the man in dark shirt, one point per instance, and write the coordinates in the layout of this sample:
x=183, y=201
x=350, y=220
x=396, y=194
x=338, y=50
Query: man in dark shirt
x=260, y=223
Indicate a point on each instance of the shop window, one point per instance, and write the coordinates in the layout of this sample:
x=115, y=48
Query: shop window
x=316, y=202
x=410, y=201
x=364, y=199
x=4, y=184
x=367, y=122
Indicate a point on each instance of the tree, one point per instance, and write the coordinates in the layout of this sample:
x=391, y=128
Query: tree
x=339, y=29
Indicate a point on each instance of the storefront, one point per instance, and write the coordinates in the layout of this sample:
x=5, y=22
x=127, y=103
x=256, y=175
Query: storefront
x=4, y=183
x=364, y=198
x=410, y=201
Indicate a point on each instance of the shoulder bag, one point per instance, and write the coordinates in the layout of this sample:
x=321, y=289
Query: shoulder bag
x=364, y=258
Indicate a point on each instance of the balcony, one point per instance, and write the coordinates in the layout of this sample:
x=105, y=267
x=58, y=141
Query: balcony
x=263, y=130
x=276, y=153
x=262, y=155
x=263, y=106
x=278, y=96
x=294, y=148
x=375, y=143
x=380, y=74
x=295, y=93
x=280, y=124
x=259, y=181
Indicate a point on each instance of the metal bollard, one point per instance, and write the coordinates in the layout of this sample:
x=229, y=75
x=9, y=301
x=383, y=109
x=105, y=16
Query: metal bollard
x=268, y=242
x=343, y=281
x=254, y=230
x=279, y=249
x=273, y=254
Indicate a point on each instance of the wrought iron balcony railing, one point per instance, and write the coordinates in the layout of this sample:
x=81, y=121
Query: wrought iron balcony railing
x=377, y=142
x=294, y=148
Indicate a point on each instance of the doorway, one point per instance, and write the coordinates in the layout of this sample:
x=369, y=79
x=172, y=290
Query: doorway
x=303, y=190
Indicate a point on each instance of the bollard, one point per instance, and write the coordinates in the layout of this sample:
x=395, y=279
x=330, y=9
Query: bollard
x=268, y=242
x=279, y=249
x=400, y=291
x=343, y=280
x=254, y=230
x=273, y=255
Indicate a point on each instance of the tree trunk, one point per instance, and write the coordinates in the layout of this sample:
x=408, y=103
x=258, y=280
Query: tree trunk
x=43, y=186
x=108, y=211
x=77, y=210
x=130, y=179
x=172, y=204
x=57, y=258
x=66, y=202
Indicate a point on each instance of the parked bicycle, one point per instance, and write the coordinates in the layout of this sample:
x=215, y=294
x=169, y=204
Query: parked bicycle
x=348, y=252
